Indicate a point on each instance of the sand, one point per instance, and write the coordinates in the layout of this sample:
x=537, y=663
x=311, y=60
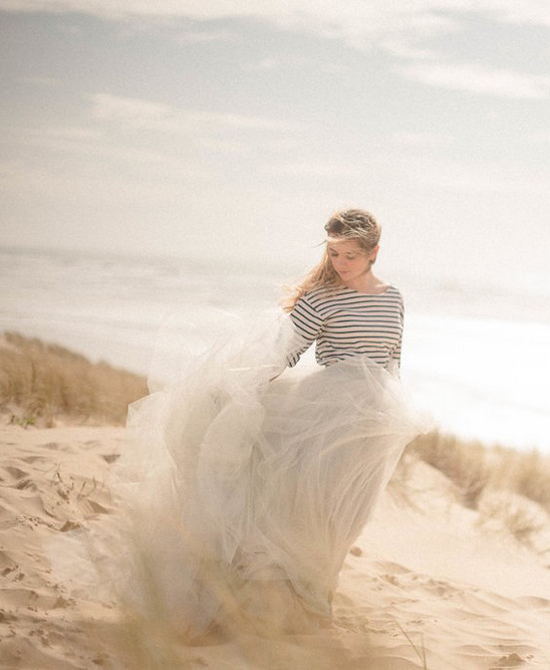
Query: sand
x=429, y=584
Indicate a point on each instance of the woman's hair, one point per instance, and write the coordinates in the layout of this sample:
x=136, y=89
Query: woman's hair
x=346, y=225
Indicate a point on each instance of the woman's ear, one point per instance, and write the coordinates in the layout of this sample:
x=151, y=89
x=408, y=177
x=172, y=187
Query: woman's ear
x=374, y=253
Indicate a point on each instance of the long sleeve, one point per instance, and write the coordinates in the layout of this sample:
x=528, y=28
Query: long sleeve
x=396, y=353
x=308, y=324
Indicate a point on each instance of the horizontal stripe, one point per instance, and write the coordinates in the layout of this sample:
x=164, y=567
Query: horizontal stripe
x=346, y=323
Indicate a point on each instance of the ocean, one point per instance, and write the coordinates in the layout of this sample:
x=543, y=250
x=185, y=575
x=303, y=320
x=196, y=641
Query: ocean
x=476, y=353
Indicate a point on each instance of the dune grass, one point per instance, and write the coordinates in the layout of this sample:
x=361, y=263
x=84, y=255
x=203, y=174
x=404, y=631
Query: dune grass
x=41, y=383
x=464, y=462
x=476, y=468
x=502, y=484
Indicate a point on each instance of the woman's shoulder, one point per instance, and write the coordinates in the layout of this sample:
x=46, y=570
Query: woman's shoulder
x=394, y=291
x=322, y=294
x=394, y=295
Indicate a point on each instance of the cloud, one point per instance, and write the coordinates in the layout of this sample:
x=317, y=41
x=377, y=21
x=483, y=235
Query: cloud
x=529, y=12
x=359, y=23
x=540, y=138
x=478, y=79
x=401, y=48
x=444, y=173
x=352, y=16
x=399, y=27
x=138, y=133
x=141, y=114
x=264, y=64
x=48, y=82
x=71, y=134
x=421, y=140
x=89, y=143
x=315, y=170
x=204, y=36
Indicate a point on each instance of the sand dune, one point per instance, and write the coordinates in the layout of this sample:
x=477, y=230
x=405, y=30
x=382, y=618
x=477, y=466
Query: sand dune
x=430, y=583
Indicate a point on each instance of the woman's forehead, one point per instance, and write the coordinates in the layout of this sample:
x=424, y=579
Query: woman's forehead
x=343, y=246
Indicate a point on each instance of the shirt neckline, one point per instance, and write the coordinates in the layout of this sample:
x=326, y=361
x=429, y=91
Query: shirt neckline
x=346, y=288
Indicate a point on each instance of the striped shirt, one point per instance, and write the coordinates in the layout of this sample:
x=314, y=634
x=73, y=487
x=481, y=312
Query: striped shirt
x=345, y=323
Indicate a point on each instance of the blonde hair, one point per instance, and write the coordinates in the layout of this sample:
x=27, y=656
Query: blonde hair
x=346, y=225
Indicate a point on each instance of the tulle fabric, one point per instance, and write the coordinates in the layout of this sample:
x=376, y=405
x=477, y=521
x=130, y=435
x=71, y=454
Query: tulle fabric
x=243, y=488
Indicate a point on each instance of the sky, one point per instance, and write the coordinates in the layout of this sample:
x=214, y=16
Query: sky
x=232, y=129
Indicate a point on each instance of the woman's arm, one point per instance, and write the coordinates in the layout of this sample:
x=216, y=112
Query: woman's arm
x=396, y=353
x=307, y=324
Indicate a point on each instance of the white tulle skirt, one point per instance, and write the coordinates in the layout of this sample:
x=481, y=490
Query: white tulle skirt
x=242, y=491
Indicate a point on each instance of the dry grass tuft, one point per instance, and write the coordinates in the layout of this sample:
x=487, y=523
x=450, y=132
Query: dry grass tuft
x=506, y=484
x=476, y=468
x=526, y=473
x=47, y=382
x=523, y=525
x=464, y=462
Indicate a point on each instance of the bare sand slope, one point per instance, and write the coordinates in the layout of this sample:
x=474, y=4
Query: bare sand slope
x=427, y=579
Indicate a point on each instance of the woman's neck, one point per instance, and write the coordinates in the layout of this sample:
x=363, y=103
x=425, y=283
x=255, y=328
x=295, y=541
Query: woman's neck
x=367, y=283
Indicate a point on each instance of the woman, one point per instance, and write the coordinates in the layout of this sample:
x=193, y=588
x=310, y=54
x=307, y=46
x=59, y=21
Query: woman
x=334, y=304
x=246, y=487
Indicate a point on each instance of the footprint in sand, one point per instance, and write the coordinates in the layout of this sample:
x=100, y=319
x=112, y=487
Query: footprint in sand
x=532, y=603
x=7, y=617
x=510, y=661
x=111, y=458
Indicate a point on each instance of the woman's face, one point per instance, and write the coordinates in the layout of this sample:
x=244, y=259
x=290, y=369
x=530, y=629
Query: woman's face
x=349, y=260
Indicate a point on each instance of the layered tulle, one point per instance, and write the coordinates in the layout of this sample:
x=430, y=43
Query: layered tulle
x=243, y=479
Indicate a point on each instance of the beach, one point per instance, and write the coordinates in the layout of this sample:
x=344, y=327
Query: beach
x=430, y=583
x=174, y=493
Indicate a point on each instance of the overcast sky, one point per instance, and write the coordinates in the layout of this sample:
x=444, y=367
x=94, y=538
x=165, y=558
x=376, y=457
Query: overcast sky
x=234, y=127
